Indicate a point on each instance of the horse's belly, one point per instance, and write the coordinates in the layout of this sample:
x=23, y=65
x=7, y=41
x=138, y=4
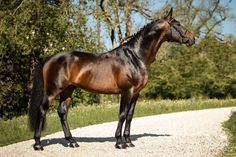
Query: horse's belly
x=98, y=78
x=104, y=84
x=100, y=86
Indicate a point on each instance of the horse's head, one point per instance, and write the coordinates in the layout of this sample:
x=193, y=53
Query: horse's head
x=176, y=32
x=149, y=39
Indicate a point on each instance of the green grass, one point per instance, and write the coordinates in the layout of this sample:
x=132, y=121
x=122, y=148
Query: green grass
x=230, y=126
x=17, y=130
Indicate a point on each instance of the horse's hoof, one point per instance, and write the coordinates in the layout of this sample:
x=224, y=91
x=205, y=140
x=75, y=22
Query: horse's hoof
x=74, y=145
x=130, y=144
x=120, y=146
x=72, y=142
x=38, y=147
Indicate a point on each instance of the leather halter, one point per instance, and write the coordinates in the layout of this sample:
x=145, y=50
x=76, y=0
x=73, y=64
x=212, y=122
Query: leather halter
x=183, y=35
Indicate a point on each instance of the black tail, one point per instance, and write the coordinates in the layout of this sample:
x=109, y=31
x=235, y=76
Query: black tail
x=36, y=96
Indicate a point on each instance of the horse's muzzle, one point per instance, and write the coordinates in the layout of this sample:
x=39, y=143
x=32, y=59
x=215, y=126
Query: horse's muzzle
x=190, y=42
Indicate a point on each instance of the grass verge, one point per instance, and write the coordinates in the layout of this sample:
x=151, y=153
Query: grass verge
x=230, y=127
x=16, y=130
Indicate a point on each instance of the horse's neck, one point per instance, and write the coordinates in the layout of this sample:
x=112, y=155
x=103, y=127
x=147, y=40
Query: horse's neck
x=147, y=49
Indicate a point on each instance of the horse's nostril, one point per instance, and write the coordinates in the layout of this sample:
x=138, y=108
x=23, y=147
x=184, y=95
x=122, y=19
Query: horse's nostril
x=191, y=42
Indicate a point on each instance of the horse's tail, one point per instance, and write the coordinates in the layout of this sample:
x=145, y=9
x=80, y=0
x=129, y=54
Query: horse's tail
x=36, y=95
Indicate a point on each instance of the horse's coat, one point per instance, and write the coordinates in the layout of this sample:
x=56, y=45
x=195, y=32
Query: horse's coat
x=120, y=71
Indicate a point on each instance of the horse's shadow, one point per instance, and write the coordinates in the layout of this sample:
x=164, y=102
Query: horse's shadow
x=65, y=143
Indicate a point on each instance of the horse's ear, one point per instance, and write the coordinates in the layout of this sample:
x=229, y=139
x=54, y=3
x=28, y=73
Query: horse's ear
x=169, y=15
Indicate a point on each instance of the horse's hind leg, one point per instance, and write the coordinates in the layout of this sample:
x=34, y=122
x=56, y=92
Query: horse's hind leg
x=65, y=101
x=40, y=123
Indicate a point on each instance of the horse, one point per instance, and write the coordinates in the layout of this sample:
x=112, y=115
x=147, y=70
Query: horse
x=123, y=71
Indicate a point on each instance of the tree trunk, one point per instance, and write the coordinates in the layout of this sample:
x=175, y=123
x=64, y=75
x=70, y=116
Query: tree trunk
x=128, y=19
x=98, y=23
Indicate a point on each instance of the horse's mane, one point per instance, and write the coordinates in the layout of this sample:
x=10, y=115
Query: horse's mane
x=131, y=39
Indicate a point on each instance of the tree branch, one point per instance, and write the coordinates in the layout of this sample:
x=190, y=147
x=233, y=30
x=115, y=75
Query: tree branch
x=210, y=13
x=142, y=11
x=110, y=26
x=117, y=21
x=215, y=24
x=18, y=7
x=101, y=5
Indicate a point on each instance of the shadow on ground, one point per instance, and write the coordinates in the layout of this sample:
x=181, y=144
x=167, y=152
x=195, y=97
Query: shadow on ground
x=65, y=143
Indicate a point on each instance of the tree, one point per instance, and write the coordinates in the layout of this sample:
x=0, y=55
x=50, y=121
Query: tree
x=202, y=17
x=206, y=70
x=194, y=72
x=30, y=30
x=118, y=17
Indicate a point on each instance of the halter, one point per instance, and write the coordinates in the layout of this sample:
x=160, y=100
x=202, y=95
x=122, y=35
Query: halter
x=180, y=33
x=170, y=21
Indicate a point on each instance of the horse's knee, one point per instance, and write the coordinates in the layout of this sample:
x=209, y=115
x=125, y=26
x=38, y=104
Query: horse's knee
x=62, y=110
x=122, y=117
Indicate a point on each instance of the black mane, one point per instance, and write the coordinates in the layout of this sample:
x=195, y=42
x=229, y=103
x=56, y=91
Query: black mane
x=132, y=39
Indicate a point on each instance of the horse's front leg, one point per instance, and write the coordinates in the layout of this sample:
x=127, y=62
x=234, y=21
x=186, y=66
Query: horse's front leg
x=124, y=105
x=128, y=121
x=62, y=112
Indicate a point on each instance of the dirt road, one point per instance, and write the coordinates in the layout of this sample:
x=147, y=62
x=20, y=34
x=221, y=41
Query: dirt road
x=183, y=134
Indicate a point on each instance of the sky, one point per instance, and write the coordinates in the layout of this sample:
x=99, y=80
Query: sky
x=229, y=27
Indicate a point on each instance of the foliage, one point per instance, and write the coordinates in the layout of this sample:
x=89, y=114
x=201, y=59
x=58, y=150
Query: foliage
x=207, y=70
x=30, y=30
x=230, y=150
x=85, y=98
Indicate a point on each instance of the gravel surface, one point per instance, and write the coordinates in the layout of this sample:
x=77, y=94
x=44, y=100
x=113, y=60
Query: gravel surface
x=182, y=134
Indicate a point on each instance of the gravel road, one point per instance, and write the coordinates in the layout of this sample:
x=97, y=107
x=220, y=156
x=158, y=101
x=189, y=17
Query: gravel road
x=182, y=134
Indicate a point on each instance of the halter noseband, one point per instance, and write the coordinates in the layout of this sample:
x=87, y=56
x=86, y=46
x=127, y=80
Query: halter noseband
x=183, y=35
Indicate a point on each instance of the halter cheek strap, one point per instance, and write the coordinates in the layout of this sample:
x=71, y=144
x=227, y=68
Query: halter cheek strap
x=170, y=21
x=183, y=35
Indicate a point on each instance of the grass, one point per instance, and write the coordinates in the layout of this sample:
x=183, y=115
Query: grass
x=16, y=130
x=230, y=126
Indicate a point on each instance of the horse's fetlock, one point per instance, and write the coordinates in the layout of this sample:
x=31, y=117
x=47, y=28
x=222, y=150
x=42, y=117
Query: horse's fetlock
x=126, y=134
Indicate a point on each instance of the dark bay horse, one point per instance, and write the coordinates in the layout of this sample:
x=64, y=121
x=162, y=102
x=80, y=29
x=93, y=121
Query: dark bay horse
x=120, y=71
